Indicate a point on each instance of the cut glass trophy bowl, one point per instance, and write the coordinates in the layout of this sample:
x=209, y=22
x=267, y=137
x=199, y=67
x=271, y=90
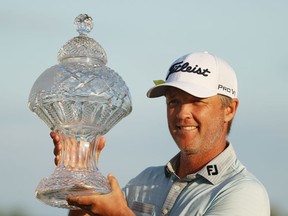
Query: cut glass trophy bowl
x=82, y=99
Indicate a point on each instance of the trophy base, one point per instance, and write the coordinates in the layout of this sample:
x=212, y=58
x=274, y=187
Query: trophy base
x=55, y=189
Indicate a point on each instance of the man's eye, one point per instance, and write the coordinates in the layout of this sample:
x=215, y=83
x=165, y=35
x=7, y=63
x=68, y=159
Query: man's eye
x=197, y=101
x=171, y=102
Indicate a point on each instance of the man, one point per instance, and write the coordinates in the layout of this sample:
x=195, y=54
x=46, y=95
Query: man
x=205, y=177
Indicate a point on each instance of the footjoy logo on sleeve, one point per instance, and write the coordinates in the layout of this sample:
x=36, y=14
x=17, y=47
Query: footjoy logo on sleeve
x=185, y=67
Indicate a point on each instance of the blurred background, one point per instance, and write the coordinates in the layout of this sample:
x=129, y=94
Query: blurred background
x=142, y=39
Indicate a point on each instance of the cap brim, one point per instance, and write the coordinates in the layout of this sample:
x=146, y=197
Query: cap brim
x=160, y=90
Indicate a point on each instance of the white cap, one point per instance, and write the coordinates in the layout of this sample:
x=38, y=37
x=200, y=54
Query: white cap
x=199, y=74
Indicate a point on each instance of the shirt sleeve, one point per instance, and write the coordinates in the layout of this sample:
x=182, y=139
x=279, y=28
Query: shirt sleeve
x=245, y=198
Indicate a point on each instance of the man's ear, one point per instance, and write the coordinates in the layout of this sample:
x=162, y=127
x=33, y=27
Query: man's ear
x=230, y=110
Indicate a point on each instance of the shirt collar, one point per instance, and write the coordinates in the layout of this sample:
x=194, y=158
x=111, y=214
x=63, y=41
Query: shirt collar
x=214, y=171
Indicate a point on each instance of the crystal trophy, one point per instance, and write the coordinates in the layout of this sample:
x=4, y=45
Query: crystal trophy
x=82, y=99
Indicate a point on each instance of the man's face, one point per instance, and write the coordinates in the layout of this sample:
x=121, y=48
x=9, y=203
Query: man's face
x=196, y=124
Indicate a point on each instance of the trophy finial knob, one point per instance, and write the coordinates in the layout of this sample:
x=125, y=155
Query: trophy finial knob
x=83, y=24
x=82, y=48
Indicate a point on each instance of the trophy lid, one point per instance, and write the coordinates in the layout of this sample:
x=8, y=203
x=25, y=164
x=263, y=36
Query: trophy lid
x=82, y=48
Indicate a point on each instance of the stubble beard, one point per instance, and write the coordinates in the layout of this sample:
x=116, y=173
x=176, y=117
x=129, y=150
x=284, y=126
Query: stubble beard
x=207, y=141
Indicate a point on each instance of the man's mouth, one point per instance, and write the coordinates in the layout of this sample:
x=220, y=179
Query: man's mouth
x=186, y=127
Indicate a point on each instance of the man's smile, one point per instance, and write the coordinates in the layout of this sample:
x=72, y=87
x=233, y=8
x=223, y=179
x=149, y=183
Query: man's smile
x=188, y=128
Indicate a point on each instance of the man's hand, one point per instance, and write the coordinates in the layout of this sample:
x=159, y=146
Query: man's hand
x=112, y=204
x=56, y=137
x=57, y=146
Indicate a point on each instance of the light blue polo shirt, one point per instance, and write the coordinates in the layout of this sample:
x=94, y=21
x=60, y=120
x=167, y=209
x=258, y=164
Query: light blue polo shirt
x=222, y=187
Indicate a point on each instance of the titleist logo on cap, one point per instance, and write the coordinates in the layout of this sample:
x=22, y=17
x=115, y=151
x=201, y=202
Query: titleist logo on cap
x=185, y=67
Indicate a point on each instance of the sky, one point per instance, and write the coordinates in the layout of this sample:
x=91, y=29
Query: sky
x=142, y=39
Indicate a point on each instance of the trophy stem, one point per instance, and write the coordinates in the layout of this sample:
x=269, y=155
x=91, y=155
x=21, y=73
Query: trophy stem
x=76, y=174
x=78, y=149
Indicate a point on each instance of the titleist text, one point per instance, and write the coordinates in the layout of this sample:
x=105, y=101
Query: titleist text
x=179, y=66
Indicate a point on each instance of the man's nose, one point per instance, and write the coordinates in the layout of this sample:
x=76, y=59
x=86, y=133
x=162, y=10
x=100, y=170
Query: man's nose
x=184, y=111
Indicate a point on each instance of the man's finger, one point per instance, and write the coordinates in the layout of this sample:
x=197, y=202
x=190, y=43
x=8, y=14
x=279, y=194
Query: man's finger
x=113, y=182
x=80, y=201
x=55, y=137
x=101, y=143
